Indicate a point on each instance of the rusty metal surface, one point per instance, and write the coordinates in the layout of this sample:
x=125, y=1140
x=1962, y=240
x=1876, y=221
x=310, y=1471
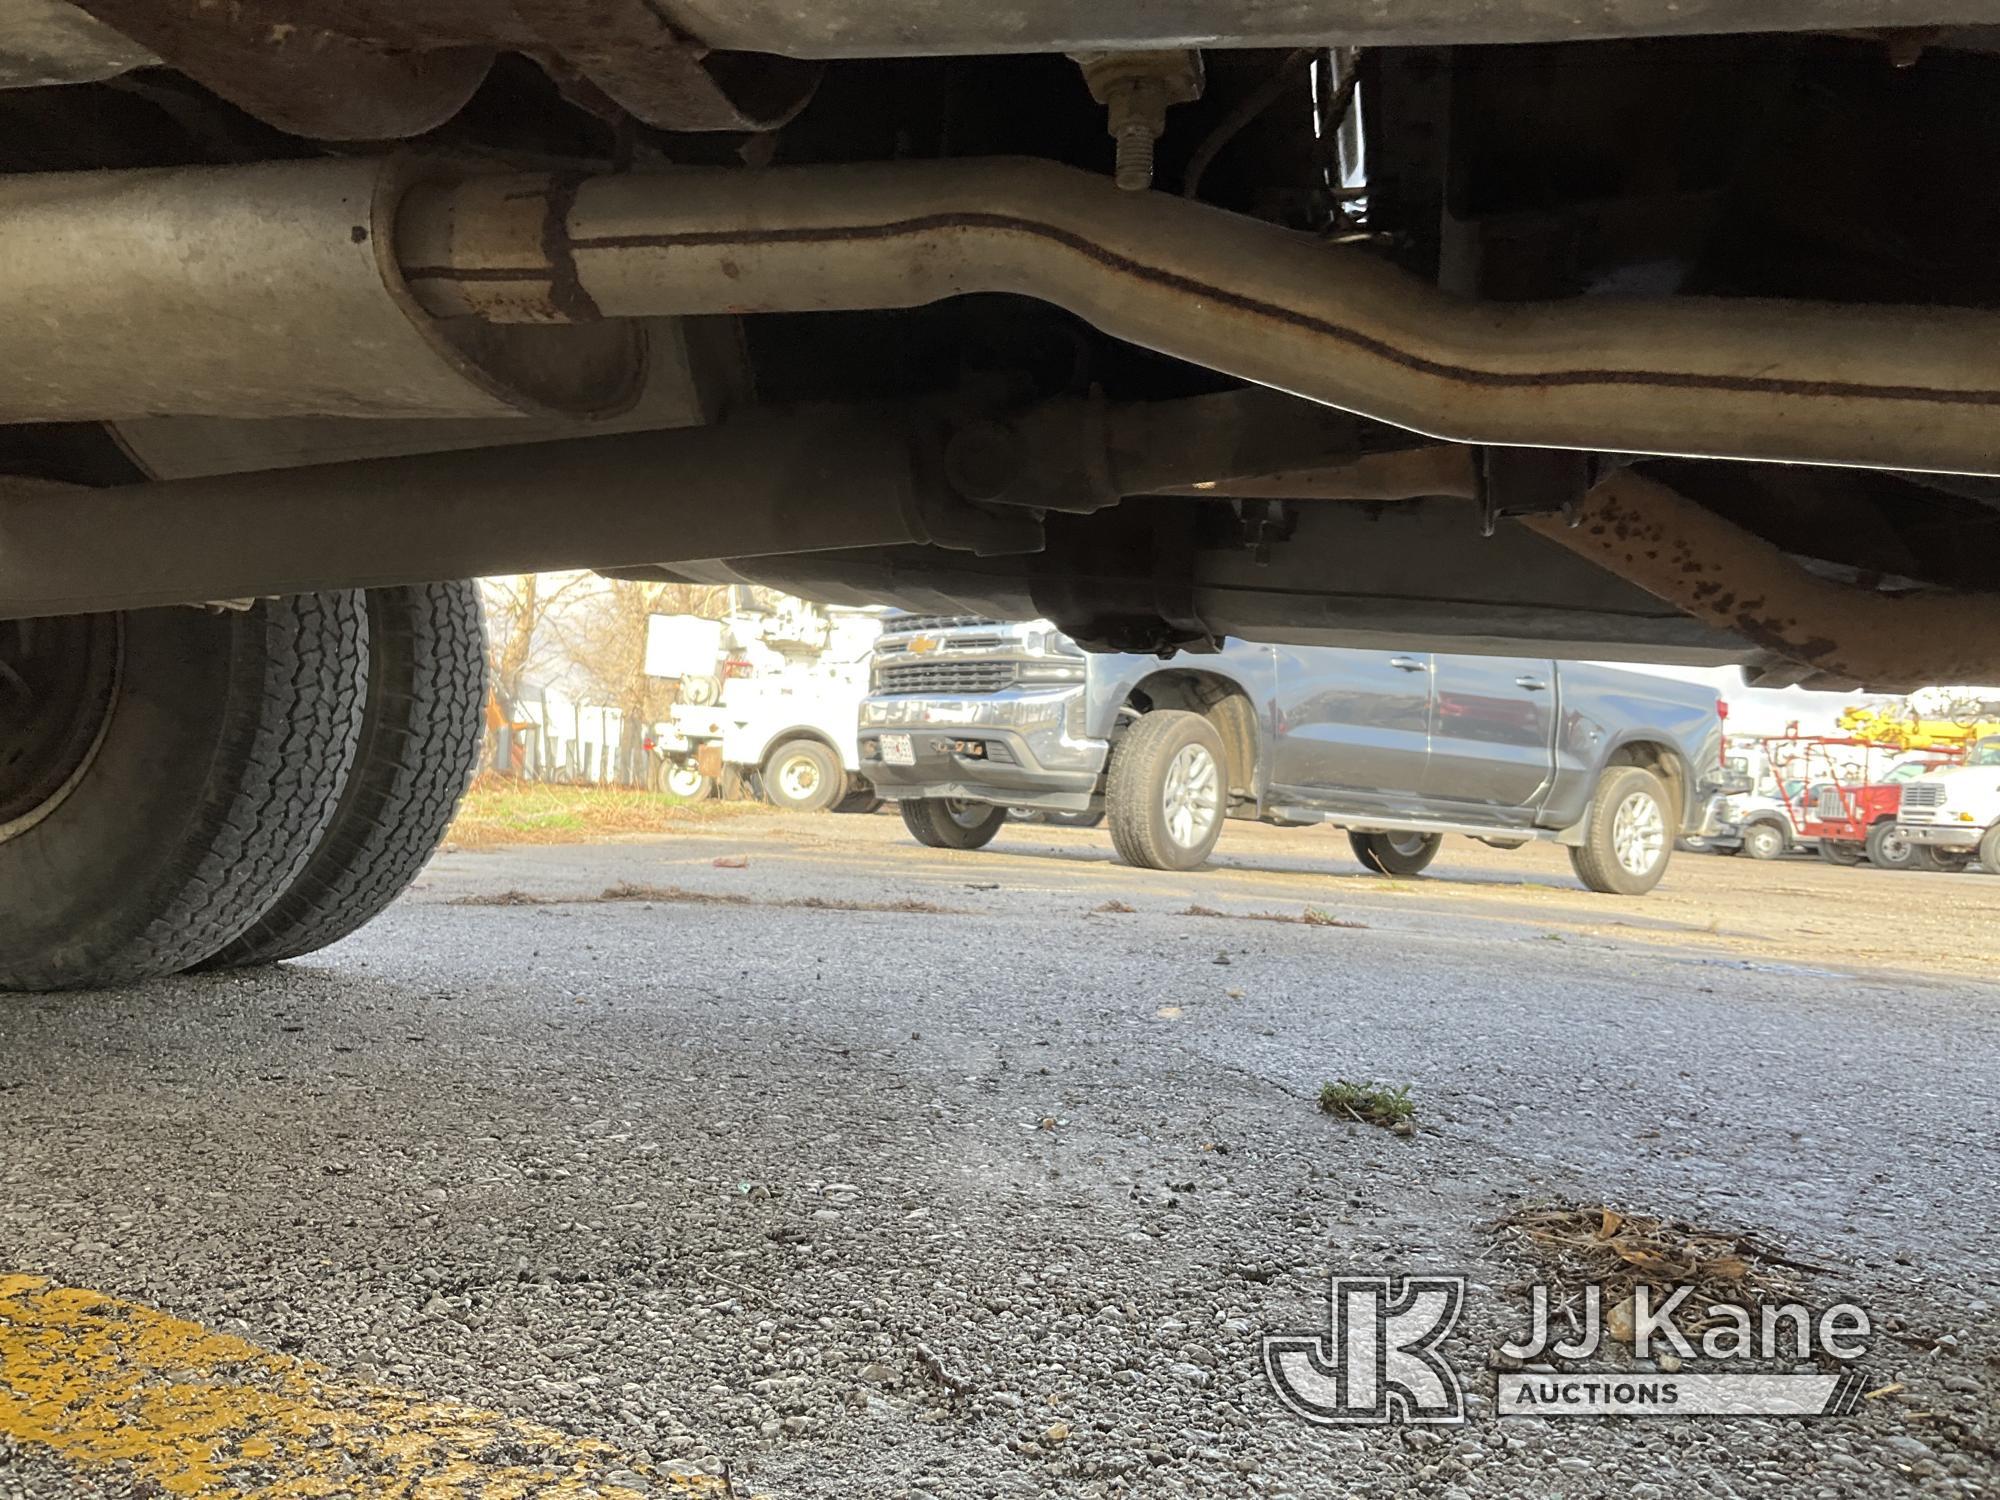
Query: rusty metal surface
x=1874, y=386
x=1650, y=535
x=373, y=70
x=257, y=291
x=273, y=59
x=627, y=49
x=51, y=41
x=916, y=28
x=391, y=69
x=1440, y=469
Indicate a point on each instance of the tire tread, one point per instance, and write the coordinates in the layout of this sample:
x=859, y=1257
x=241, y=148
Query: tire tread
x=1131, y=787
x=420, y=746
x=288, y=727
x=1594, y=861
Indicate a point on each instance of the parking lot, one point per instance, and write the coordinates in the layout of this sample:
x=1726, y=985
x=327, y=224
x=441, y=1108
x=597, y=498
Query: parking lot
x=778, y=1155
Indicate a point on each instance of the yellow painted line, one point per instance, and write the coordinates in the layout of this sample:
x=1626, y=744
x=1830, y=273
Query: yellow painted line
x=97, y=1381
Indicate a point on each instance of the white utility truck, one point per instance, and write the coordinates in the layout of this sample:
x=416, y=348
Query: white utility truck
x=770, y=695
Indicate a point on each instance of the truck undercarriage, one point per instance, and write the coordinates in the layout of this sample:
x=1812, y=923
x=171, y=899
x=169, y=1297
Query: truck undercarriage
x=1650, y=343
x=1636, y=329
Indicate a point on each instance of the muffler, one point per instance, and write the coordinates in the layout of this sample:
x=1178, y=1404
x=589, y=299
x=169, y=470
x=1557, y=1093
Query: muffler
x=260, y=291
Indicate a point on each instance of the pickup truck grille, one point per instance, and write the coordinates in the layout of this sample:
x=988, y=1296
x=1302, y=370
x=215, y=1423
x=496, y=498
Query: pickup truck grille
x=945, y=677
x=913, y=624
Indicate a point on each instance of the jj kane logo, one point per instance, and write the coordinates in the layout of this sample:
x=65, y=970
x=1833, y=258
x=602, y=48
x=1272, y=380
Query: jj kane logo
x=1380, y=1358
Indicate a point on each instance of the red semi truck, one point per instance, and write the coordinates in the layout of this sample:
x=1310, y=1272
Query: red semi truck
x=1838, y=803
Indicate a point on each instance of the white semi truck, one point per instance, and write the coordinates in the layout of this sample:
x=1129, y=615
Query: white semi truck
x=770, y=694
x=1954, y=812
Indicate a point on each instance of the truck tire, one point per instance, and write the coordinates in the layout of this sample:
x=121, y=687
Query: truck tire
x=1396, y=853
x=803, y=776
x=948, y=823
x=1840, y=852
x=861, y=797
x=420, y=733
x=164, y=775
x=1764, y=840
x=1888, y=849
x=1943, y=861
x=688, y=783
x=1989, y=850
x=1166, y=792
x=1628, y=834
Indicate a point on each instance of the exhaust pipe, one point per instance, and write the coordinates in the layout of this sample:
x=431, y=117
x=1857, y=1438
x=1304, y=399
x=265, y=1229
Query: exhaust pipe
x=1878, y=387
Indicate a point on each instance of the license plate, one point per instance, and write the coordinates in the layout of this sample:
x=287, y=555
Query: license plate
x=897, y=751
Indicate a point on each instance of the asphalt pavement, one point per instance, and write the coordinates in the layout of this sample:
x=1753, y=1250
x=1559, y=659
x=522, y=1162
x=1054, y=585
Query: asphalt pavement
x=782, y=1156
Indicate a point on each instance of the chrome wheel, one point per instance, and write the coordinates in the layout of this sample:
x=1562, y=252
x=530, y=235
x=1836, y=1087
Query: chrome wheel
x=1638, y=833
x=1191, y=798
x=1410, y=845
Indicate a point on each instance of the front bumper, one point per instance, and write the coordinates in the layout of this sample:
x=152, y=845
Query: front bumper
x=1034, y=754
x=1943, y=835
x=1712, y=821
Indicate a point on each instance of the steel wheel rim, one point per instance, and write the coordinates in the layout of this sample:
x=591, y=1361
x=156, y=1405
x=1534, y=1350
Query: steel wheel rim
x=1191, y=796
x=799, y=777
x=683, y=782
x=1638, y=833
x=58, y=680
x=1407, y=844
x=1895, y=848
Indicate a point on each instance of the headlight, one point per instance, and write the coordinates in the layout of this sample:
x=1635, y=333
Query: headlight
x=1051, y=671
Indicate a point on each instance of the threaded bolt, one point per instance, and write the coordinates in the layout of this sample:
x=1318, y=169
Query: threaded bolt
x=1134, y=159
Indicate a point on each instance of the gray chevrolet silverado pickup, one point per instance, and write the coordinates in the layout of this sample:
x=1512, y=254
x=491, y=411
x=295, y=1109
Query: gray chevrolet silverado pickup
x=967, y=717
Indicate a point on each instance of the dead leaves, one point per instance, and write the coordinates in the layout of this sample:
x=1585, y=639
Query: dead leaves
x=1580, y=1245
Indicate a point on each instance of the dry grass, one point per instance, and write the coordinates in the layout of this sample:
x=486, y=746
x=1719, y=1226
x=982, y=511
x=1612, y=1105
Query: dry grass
x=1579, y=1245
x=678, y=894
x=1311, y=916
x=498, y=810
x=500, y=898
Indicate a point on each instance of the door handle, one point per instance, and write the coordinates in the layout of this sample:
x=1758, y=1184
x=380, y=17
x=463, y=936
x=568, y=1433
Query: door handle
x=1532, y=684
x=1408, y=664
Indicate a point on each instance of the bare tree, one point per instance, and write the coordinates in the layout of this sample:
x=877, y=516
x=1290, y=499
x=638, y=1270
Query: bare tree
x=525, y=618
x=606, y=641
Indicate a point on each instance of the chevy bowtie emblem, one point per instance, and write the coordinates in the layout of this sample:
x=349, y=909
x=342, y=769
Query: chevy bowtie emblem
x=921, y=643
